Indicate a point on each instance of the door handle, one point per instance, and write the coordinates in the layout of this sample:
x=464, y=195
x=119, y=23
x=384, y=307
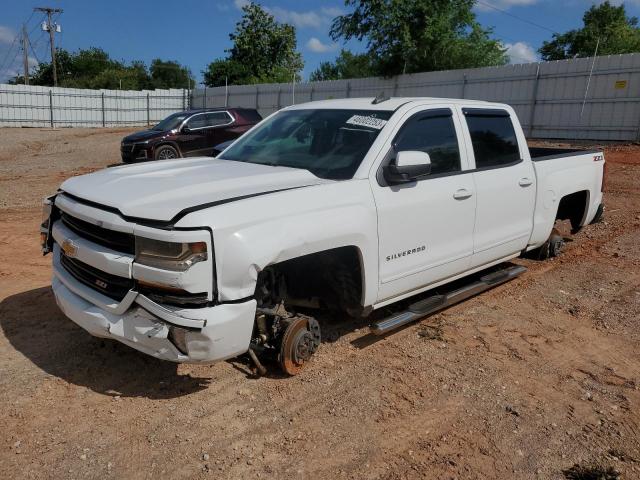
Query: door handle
x=525, y=182
x=462, y=194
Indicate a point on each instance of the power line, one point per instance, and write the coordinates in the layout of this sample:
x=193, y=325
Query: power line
x=32, y=45
x=515, y=16
x=4, y=61
x=12, y=62
x=38, y=40
x=39, y=21
x=13, y=43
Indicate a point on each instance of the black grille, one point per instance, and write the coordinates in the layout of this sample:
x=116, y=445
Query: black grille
x=119, y=241
x=112, y=286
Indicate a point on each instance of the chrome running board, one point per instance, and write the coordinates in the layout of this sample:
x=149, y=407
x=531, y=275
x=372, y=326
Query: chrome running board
x=434, y=303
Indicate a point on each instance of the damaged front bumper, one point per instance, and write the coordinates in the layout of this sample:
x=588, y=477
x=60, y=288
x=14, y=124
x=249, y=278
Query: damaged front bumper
x=202, y=335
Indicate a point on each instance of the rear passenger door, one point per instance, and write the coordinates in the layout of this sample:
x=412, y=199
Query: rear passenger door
x=505, y=185
x=425, y=227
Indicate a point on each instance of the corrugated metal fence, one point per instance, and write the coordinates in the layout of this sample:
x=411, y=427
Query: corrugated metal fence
x=31, y=106
x=560, y=99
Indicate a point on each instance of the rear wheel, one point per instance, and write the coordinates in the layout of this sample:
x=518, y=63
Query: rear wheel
x=551, y=248
x=166, y=152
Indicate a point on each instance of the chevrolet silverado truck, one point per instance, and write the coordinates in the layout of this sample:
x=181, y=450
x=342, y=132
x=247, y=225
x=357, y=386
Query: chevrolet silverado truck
x=351, y=204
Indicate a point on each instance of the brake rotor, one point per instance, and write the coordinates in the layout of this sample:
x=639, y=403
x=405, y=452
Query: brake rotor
x=300, y=341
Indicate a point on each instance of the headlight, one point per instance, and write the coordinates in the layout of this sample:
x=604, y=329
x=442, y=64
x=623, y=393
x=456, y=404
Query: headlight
x=45, y=225
x=169, y=255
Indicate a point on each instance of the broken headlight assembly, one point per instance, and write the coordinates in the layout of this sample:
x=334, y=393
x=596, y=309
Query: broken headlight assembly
x=178, y=257
x=45, y=225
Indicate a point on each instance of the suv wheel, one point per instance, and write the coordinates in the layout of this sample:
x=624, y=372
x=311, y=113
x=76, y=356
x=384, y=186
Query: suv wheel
x=166, y=152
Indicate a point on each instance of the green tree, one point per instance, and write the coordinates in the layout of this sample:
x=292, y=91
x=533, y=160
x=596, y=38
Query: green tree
x=408, y=36
x=346, y=65
x=43, y=74
x=94, y=68
x=606, y=23
x=263, y=51
x=170, y=74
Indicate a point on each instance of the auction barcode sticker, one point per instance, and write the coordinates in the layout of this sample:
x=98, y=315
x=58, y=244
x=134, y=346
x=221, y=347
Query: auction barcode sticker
x=363, y=121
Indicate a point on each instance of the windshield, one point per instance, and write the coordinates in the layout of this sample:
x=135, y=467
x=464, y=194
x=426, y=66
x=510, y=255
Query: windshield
x=329, y=143
x=171, y=122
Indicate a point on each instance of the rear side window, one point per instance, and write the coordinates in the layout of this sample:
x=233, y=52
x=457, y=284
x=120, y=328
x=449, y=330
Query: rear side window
x=493, y=137
x=217, y=118
x=433, y=133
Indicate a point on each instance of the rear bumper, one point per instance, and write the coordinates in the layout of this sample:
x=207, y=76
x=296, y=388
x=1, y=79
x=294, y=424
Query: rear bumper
x=226, y=332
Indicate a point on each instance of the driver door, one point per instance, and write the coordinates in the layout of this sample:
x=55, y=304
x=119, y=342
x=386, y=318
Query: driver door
x=425, y=227
x=193, y=140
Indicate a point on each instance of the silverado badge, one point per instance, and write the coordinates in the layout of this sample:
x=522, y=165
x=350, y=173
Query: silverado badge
x=69, y=248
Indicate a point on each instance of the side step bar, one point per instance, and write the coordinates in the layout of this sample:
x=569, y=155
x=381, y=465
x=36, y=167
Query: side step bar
x=434, y=303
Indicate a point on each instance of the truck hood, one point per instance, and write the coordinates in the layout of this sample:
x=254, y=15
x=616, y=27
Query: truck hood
x=162, y=190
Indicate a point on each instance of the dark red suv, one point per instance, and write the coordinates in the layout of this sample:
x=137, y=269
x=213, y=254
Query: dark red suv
x=188, y=134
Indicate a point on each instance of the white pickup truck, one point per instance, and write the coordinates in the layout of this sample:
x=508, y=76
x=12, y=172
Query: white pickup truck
x=352, y=204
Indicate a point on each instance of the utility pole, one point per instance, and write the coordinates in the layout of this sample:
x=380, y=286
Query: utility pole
x=52, y=28
x=25, y=52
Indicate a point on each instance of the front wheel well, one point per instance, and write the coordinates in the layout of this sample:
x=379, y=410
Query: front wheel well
x=328, y=279
x=167, y=144
x=573, y=207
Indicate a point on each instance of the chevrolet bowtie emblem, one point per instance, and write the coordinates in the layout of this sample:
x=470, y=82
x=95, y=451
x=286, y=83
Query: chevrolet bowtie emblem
x=70, y=249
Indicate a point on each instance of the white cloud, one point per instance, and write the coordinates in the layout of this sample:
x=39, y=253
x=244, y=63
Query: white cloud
x=315, y=45
x=521, y=52
x=485, y=5
x=320, y=19
x=240, y=3
x=299, y=19
x=6, y=34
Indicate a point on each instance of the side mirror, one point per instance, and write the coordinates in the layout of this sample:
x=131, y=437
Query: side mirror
x=410, y=165
x=185, y=129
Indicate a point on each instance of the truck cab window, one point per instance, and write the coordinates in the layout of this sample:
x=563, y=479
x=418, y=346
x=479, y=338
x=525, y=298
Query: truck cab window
x=434, y=134
x=493, y=138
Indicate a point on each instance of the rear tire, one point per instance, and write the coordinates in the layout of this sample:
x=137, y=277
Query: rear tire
x=549, y=249
x=166, y=152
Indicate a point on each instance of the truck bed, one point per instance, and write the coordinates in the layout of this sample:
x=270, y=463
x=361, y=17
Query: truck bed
x=548, y=153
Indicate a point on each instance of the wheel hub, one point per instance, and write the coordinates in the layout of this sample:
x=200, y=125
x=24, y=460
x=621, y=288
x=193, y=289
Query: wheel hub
x=300, y=341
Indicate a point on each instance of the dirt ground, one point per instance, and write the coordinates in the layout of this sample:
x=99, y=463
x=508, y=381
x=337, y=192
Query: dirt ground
x=538, y=378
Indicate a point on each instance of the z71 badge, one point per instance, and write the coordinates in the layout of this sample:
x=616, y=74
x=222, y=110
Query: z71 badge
x=395, y=256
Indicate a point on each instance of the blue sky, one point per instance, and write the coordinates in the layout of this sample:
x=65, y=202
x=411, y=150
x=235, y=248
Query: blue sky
x=196, y=32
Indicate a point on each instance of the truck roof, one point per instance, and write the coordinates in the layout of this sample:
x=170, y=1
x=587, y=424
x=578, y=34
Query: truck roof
x=390, y=104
